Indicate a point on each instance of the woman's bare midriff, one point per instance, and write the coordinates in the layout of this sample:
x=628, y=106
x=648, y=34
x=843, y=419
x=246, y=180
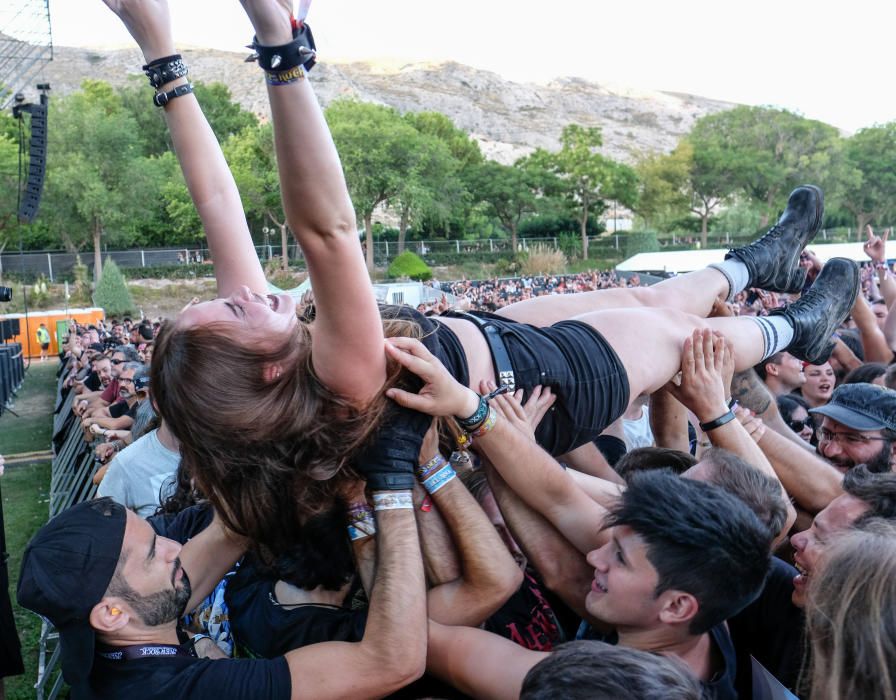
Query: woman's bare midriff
x=479, y=359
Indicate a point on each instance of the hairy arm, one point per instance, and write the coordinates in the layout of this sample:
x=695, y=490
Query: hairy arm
x=561, y=566
x=392, y=652
x=750, y=392
x=588, y=460
x=669, y=421
x=489, y=574
x=544, y=485
x=208, y=556
x=478, y=663
x=811, y=481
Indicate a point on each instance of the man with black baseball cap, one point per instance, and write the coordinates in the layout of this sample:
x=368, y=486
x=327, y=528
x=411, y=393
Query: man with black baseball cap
x=115, y=591
x=859, y=427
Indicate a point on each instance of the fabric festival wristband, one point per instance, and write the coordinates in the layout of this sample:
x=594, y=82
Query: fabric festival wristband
x=478, y=416
x=284, y=77
x=424, y=471
x=397, y=500
x=439, y=479
x=487, y=424
x=718, y=422
x=361, y=522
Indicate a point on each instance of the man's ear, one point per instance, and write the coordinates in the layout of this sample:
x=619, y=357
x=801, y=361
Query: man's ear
x=771, y=369
x=678, y=607
x=109, y=615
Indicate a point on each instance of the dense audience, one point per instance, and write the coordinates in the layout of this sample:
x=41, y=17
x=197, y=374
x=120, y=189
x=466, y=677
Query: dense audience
x=676, y=497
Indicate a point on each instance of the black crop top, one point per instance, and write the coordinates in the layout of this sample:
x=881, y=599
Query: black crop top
x=437, y=337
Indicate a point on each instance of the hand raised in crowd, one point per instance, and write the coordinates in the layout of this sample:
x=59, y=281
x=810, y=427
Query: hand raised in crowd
x=752, y=423
x=441, y=394
x=703, y=375
x=876, y=246
x=524, y=417
x=148, y=22
x=272, y=20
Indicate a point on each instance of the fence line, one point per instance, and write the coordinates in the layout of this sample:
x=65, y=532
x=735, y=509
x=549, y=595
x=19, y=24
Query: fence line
x=71, y=481
x=55, y=264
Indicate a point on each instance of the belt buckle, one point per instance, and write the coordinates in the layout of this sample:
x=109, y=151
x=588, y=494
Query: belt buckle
x=507, y=379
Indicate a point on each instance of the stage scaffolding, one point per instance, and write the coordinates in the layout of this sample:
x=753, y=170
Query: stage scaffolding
x=26, y=45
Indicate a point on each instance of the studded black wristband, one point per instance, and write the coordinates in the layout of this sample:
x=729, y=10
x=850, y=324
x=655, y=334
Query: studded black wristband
x=164, y=70
x=162, y=98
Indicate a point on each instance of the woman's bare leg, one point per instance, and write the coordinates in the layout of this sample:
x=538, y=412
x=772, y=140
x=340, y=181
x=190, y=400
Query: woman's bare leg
x=649, y=341
x=693, y=293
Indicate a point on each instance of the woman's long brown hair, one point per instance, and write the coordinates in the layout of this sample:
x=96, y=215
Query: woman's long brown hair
x=851, y=616
x=267, y=453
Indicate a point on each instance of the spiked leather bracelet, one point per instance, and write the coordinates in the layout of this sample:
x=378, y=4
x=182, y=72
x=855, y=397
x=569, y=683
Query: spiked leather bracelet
x=301, y=51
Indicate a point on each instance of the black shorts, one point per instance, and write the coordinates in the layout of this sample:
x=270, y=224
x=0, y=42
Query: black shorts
x=580, y=367
x=44, y=346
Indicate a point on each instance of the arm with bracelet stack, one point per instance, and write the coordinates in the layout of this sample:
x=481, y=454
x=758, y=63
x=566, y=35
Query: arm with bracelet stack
x=530, y=471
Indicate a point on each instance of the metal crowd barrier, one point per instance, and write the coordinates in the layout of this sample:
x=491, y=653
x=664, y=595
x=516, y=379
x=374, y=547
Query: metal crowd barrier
x=70, y=482
x=12, y=373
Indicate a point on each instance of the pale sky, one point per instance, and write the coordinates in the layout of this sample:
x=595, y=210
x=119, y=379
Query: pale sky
x=826, y=60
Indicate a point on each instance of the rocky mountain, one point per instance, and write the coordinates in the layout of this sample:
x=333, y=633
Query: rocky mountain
x=508, y=119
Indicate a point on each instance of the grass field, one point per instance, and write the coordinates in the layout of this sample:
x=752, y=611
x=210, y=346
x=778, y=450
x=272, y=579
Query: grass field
x=25, y=492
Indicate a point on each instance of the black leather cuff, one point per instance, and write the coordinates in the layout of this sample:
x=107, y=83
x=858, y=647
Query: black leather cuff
x=301, y=51
x=391, y=481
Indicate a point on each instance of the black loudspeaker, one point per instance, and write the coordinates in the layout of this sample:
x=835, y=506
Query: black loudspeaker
x=37, y=163
x=9, y=328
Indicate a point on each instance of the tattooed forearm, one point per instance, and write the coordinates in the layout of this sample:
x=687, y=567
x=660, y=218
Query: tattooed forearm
x=750, y=392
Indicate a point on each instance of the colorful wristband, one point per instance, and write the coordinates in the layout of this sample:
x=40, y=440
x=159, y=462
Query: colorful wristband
x=286, y=77
x=487, y=424
x=439, y=479
x=424, y=471
x=395, y=500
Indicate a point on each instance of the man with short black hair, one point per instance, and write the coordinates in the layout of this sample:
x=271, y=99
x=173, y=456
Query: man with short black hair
x=682, y=557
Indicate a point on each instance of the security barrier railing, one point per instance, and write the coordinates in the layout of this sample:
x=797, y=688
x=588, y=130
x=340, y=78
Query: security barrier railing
x=71, y=481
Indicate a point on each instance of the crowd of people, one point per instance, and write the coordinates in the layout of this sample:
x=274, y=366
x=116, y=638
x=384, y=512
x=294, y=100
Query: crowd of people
x=569, y=487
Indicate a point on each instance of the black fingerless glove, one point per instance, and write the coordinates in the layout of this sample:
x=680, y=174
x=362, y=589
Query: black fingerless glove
x=389, y=461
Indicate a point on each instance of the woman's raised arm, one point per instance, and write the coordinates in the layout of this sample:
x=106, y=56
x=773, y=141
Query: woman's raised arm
x=348, y=338
x=208, y=178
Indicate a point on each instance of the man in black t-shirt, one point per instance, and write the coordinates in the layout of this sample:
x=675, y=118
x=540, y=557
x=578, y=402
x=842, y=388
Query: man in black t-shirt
x=115, y=590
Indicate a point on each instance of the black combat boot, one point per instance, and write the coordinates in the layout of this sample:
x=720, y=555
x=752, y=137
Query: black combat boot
x=774, y=260
x=821, y=310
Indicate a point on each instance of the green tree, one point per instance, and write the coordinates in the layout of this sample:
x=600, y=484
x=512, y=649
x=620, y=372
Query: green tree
x=225, y=116
x=685, y=182
x=765, y=152
x=867, y=187
x=97, y=179
x=250, y=154
x=378, y=150
x=510, y=192
x=112, y=292
x=587, y=178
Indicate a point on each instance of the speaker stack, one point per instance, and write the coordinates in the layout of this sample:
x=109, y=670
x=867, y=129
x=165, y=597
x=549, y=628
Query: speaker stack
x=37, y=150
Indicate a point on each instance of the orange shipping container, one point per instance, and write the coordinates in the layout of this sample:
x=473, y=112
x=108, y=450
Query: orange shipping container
x=57, y=322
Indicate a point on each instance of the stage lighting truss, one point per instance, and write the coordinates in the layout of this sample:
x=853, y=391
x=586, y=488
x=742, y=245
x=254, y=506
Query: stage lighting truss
x=26, y=45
